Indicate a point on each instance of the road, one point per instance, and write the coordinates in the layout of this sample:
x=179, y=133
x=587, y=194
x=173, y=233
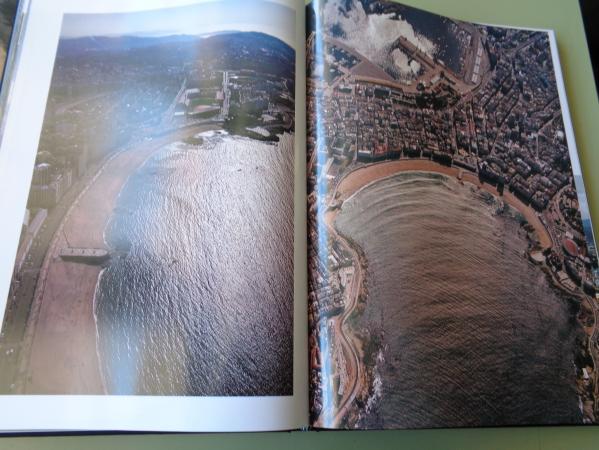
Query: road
x=169, y=114
x=354, y=364
x=224, y=113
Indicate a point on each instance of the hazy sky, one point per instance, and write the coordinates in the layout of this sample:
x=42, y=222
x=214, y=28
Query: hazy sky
x=209, y=17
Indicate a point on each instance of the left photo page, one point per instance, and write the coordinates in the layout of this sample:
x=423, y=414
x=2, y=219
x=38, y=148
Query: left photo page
x=151, y=257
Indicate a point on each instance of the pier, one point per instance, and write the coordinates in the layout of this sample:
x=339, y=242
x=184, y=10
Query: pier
x=92, y=256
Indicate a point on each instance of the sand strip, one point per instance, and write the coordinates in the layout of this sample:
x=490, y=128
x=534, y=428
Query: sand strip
x=62, y=331
x=357, y=179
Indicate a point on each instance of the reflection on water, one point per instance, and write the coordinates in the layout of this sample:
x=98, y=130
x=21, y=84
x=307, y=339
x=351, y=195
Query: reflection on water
x=472, y=332
x=200, y=300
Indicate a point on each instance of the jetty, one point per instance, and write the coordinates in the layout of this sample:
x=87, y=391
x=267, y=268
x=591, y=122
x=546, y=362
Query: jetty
x=92, y=256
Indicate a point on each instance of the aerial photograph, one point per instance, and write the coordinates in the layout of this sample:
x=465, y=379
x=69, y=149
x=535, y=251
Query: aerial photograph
x=452, y=269
x=156, y=253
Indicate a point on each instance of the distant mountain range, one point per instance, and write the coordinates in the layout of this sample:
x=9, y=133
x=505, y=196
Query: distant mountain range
x=128, y=42
x=118, y=43
x=233, y=50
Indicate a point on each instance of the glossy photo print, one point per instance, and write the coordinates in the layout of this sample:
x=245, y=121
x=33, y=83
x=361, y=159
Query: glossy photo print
x=453, y=271
x=156, y=252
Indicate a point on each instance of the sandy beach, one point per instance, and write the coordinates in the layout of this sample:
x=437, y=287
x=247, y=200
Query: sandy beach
x=359, y=178
x=61, y=332
x=349, y=185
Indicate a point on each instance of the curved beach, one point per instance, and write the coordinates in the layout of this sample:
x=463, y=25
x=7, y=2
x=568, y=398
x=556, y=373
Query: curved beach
x=358, y=179
x=441, y=264
x=60, y=354
x=361, y=177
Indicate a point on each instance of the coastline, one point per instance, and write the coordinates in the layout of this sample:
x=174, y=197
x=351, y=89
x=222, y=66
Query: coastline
x=350, y=343
x=60, y=355
x=352, y=183
x=359, y=178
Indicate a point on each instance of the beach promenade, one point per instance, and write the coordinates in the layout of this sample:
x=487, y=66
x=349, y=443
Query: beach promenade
x=59, y=354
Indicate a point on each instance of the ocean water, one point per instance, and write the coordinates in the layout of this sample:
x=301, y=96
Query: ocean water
x=472, y=333
x=198, y=299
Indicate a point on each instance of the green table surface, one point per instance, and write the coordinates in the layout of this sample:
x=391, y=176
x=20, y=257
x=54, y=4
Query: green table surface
x=564, y=17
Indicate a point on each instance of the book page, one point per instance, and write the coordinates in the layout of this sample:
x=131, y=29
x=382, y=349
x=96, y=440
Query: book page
x=151, y=274
x=453, y=270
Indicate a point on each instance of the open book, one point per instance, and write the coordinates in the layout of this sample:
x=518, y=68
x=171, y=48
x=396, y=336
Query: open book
x=266, y=215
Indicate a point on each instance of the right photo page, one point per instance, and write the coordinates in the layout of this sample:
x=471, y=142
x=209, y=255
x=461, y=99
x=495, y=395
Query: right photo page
x=453, y=271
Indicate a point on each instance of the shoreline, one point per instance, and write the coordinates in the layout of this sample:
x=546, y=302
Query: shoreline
x=348, y=341
x=97, y=333
x=359, y=178
x=63, y=356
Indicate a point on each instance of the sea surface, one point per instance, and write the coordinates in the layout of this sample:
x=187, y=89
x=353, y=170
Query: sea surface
x=472, y=333
x=198, y=299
